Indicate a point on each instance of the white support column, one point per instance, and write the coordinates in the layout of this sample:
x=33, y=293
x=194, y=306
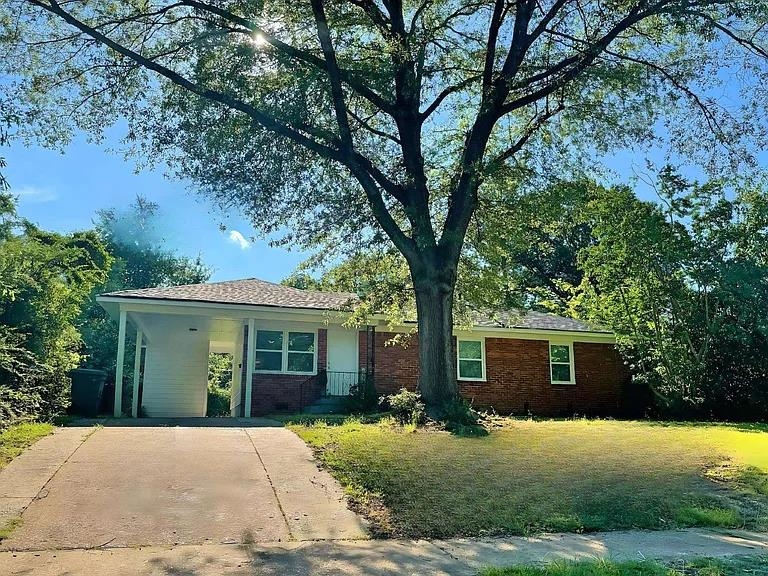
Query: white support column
x=119, y=366
x=250, y=365
x=237, y=374
x=136, y=374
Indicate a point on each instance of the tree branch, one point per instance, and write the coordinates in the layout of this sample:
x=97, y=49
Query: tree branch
x=347, y=76
x=337, y=93
x=490, y=49
x=261, y=118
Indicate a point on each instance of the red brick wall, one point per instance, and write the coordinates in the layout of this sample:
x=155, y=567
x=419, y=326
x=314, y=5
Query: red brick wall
x=517, y=377
x=274, y=393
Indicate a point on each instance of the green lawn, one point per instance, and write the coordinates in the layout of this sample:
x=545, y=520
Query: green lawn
x=15, y=439
x=531, y=476
x=739, y=566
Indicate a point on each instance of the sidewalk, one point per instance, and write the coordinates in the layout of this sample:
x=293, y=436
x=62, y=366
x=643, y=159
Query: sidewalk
x=461, y=557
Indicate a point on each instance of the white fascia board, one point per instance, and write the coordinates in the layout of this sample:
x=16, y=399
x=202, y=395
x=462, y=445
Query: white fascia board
x=541, y=334
x=525, y=334
x=220, y=310
x=113, y=304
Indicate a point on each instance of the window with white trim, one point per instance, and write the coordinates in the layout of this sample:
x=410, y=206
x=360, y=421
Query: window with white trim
x=471, y=359
x=561, y=363
x=285, y=351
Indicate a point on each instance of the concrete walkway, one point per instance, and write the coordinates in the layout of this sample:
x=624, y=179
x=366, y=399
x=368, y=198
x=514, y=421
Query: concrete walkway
x=462, y=557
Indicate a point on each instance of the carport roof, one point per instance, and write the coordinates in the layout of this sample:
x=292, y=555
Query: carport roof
x=250, y=291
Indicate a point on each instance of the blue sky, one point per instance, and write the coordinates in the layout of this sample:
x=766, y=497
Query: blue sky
x=62, y=192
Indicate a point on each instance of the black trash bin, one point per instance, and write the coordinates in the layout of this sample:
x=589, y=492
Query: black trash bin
x=87, y=389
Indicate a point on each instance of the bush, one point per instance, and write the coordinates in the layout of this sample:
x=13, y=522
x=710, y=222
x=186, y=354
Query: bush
x=363, y=397
x=218, y=401
x=459, y=418
x=29, y=388
x=406, y=407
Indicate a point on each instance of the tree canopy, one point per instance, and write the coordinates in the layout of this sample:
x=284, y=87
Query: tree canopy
x=684, y=285
x=364, y=122
x=142, y=259
x=45, y=279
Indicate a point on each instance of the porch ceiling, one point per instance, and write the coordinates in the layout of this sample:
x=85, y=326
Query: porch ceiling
x=220, y=331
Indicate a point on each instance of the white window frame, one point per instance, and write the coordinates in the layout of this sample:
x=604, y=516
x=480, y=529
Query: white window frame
x=284, y=351
x=482, y=358
x=571, y=362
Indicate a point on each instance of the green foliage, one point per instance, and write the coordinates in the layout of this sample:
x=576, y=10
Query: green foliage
x=45, y=278
x=219, y=384
x=379, y=277
x=17, y=437
x=709, y=517
x=218, y=401
x=395, y=130
x=7, y=527
x=733, y=566
x=526, y=476
x=586, y=568
x=684, y=285
x=406, y=407
x=461, y=419
x=523, y=252
x=363, y=397
x=220, y=370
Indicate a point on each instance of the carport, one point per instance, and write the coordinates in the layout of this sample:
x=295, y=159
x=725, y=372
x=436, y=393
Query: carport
x=283, y=338
x=170, y=365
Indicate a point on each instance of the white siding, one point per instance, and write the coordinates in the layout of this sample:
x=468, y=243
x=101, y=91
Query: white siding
x=176, y=374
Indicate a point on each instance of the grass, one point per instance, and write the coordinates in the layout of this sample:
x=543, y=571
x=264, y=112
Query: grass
x=10, y=525
x=737, y=566
x=15, y=439
x=528, y=476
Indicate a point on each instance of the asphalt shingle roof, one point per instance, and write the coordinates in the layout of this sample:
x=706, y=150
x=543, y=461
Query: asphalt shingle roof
x=531, y=320
x=254, y=292
x=251, y=292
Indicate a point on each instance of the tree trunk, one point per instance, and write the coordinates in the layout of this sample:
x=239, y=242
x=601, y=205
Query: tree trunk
x=437, y=364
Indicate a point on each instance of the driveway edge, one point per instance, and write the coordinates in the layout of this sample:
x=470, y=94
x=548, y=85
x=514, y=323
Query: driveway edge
x=25, y=478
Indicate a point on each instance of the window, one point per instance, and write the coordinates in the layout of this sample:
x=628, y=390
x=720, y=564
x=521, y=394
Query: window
x=561, y=363
x=301, y=352
x=471, y=359
x=269, y=351
x=285, y=351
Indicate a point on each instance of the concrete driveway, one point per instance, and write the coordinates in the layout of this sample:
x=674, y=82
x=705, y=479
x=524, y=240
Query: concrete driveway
x=118, y=486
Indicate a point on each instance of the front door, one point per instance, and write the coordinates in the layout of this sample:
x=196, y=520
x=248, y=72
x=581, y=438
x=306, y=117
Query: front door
x=342, y=361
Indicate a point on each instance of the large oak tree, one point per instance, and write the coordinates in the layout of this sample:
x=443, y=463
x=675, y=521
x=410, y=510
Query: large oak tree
x=353, y=122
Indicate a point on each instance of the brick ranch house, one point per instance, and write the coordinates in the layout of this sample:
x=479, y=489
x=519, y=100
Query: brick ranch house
x=290, y=350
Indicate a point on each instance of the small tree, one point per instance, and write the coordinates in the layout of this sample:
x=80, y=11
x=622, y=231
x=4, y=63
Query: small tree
x=141, y=260
x=45, y=280
x=683, y=285
x=363, y=121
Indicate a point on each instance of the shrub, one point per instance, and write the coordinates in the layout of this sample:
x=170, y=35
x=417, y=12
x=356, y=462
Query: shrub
x=459, y=418
x=218, y=401
x=363, y=397
x=406, y=407
x=29, y=388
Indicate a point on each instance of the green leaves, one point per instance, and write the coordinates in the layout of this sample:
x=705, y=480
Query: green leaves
x=45, y=278
x=684, y=284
